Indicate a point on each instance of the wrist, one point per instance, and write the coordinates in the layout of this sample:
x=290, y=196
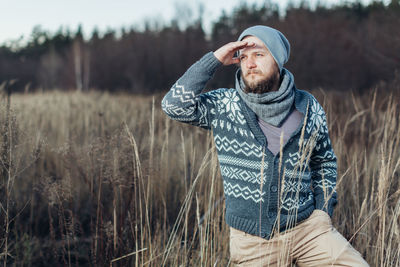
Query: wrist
x=210, y=62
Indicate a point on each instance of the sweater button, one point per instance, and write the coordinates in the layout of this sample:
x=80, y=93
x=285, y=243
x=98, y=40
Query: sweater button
x=271, y=214
x=274, y=188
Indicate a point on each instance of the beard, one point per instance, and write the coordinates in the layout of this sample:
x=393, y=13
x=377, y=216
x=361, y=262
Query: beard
x=264, y=86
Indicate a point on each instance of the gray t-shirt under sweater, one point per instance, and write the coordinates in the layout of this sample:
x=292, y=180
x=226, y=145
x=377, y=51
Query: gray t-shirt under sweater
x=273, y=133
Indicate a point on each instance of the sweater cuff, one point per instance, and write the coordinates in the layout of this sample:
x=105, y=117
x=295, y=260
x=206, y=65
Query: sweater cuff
x=210, y=63
x=327, y=207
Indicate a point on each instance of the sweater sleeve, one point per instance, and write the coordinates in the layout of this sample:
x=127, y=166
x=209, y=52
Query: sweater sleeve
x=184, y=102
x=323, y=165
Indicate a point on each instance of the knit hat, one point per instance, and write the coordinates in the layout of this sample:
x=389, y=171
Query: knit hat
x=274, y=40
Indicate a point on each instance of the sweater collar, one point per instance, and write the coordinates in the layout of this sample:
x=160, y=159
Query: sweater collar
x=301, y=103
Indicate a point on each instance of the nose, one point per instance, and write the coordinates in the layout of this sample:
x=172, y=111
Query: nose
x=250, y=63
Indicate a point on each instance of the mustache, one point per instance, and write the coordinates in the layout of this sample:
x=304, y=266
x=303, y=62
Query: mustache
x=253, y=72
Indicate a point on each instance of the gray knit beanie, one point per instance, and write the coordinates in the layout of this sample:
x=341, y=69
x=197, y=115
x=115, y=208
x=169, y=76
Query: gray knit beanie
x=274, y=40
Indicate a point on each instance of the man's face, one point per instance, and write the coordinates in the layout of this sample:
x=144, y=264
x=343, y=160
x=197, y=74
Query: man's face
x=259, y=69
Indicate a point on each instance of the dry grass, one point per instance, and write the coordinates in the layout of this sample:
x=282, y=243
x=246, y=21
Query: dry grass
x=98, y=179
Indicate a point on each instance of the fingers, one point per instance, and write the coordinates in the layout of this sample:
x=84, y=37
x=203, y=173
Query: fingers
x=234, y=46
x=225, y=53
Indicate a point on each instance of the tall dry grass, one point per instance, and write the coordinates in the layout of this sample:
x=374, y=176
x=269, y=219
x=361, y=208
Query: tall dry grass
x=98, y=179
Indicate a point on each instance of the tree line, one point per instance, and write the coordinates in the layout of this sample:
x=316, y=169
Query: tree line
x=342, y=47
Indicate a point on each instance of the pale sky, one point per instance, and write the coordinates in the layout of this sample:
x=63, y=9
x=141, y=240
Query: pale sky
x=18, y=17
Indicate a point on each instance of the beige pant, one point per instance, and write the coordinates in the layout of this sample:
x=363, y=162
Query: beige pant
x=313, y=242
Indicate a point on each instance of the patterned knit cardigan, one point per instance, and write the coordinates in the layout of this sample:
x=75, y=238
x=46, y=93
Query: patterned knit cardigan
x=263, y=193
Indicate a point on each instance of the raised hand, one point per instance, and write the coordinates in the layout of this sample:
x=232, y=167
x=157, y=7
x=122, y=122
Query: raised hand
x=225, y=54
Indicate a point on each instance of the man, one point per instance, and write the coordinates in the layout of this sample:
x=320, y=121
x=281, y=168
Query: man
x=275, y=155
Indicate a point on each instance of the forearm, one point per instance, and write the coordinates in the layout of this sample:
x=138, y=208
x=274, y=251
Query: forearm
x=182, y=101
x=324, y=173
x=323, y=163
x=324, y=184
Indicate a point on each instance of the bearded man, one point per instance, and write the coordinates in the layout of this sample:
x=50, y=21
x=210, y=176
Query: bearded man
x=274, y=151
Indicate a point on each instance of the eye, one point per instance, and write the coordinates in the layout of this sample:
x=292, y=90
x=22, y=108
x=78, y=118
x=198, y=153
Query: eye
x=259, y=55
x=242, y=57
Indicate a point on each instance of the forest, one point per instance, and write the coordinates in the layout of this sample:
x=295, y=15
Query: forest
x=350, y=46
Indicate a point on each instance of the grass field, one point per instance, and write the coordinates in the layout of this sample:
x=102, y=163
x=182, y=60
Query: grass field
x=99, y=179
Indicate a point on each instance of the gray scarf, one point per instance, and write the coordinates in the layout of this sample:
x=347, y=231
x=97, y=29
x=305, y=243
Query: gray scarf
x=272, y=107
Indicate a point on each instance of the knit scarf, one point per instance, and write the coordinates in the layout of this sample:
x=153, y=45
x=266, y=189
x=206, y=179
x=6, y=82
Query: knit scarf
x=271, y=107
